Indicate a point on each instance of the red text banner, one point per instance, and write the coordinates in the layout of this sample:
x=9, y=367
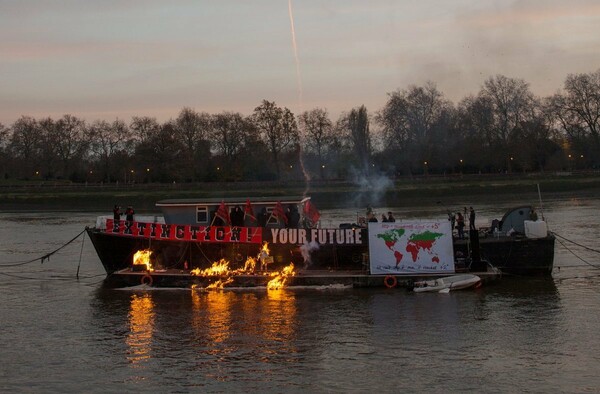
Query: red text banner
x=175, y=232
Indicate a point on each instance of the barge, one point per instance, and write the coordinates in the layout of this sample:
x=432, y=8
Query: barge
x=244, y=243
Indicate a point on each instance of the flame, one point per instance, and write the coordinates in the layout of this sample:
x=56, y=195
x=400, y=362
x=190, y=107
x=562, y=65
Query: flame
x=219, y=284
x=279, y=280
x=265, y=248
x=142, y=257
x=220, y=267
x=250, y=264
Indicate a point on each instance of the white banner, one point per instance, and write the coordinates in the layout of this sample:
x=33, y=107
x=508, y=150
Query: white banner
x=411, y=247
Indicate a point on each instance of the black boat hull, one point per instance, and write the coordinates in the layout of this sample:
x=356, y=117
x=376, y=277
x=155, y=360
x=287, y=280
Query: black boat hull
x=512, y=255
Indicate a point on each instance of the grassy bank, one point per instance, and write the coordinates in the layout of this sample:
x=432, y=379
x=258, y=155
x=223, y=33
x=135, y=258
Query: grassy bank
x=382, y=192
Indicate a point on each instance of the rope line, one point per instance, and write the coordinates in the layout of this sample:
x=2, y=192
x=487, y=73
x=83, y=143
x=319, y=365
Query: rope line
x=42, y=258
x=578, y=244
x=576, y=255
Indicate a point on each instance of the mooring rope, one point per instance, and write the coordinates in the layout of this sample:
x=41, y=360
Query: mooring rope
x=42, y=258
x=578, y=244
x=576, y=255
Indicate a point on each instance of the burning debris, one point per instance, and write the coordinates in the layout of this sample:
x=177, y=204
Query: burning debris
x=222, y=270
x=279, y=281
x=142, y=257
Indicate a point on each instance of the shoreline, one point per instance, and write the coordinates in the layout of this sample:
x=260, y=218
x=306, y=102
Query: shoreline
x=326, y=194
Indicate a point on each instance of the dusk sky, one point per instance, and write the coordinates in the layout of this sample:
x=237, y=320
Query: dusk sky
x=123, y=58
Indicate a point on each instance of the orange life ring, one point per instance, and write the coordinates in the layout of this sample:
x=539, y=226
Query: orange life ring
x=390, y=281
x=147, y=280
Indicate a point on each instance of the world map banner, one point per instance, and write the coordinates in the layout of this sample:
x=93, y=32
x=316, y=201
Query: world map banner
x=411, y=247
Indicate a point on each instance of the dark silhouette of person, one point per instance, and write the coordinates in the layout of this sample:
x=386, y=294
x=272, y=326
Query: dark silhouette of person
x=117, y=213
x=533, y=215
x=293, y=216
x=460, y=225
x=237, y=217
x=471, y=219
x=129, y=212
x=262, y=217
x=391, y=217
x=383, y=218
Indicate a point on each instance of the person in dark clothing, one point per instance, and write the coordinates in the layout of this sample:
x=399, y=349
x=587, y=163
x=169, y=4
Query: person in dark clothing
x=262, y=217
x=129, y=212
x=237, y=217
x=391, y=217
x=471, y=219
x=293, y=216
x=460, y=225
x=117, y=213
x=383, y=218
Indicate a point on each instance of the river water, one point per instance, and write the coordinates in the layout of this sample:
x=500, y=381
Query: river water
x=60, y=334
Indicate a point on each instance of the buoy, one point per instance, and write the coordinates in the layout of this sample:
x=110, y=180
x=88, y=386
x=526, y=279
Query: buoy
x=390, y=281
x=147, y=280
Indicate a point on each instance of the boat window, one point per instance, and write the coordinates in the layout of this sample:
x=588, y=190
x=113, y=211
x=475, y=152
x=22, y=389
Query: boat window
x=202, y=214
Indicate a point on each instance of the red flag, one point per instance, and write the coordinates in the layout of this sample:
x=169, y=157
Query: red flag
x=279, y=213
x=248, y=211
x=311, y=212
x=223, y=213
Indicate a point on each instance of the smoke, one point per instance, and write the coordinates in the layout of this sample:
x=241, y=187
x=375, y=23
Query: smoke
x=300, y=99
x=306, y=250
x=372, y=188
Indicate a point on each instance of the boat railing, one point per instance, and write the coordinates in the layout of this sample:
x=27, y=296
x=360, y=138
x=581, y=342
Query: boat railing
x=101, y=220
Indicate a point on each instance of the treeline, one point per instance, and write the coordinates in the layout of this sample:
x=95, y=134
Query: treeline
x=504, y=128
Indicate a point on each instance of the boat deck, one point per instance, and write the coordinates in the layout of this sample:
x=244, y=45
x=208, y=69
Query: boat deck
x=184, y=279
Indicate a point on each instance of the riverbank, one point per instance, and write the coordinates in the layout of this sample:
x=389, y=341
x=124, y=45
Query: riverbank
x=456, y=189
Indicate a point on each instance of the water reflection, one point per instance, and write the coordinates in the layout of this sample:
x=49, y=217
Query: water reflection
x=141, y=328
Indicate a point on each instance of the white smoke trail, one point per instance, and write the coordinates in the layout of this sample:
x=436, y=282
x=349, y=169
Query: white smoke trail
x=295, y=47
x=300, y=99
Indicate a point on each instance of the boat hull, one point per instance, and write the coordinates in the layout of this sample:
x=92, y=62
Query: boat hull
x=512, y=255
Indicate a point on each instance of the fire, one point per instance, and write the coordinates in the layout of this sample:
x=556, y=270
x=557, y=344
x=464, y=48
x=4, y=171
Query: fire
x=142, y=257
x=219, y=284
x=279, y=281
x=220, y=267
x=250, y=264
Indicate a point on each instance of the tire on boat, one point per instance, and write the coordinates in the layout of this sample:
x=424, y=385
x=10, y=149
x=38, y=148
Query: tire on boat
x=390, y=281
x=147, y=280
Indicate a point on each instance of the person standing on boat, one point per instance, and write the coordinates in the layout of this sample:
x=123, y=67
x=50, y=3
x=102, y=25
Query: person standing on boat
x=129, y=212
x=460, y=225
x=533, y=215
x=117, y=213
x=391, y=217
x=383, y=218
x=471, y=219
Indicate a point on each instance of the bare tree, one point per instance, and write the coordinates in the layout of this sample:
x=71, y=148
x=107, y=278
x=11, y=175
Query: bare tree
x=577, y=111
x=355, y=127
x=25, y=145
x=318, y=133
x=192, y=128
x=512, y=103
x=106, y=141
x=69, y=141
x=228, y=135
x=144, y=128
x=278, y=129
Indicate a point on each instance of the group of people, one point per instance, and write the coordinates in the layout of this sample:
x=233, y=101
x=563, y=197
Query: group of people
x=458, y=220
x=129, y=212
x=373, y=219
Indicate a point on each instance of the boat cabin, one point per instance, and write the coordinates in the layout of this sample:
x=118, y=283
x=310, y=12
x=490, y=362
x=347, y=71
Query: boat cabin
x=272, y=212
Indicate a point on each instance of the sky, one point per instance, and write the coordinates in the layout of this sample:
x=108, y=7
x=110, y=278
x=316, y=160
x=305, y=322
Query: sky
x=109, y=59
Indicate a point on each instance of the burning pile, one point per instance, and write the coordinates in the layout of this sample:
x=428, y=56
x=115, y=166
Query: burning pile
x=142, y=257
x=221, y=269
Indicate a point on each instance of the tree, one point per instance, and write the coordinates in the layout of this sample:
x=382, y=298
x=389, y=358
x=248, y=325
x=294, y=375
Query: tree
x=3, y=150
x=415, y=123
x=577, y=111
x=69, y=141
x=228, y=134
x=106, y=141
x=192, y=129
x=355, y=127
x=278, y=129
x=144, y=128
x=25, y=145
x=512, y=103
x=160, y=152
x=319, y=134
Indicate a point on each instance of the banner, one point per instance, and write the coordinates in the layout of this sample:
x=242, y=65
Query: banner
x=411, y=247
x=175, y=232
